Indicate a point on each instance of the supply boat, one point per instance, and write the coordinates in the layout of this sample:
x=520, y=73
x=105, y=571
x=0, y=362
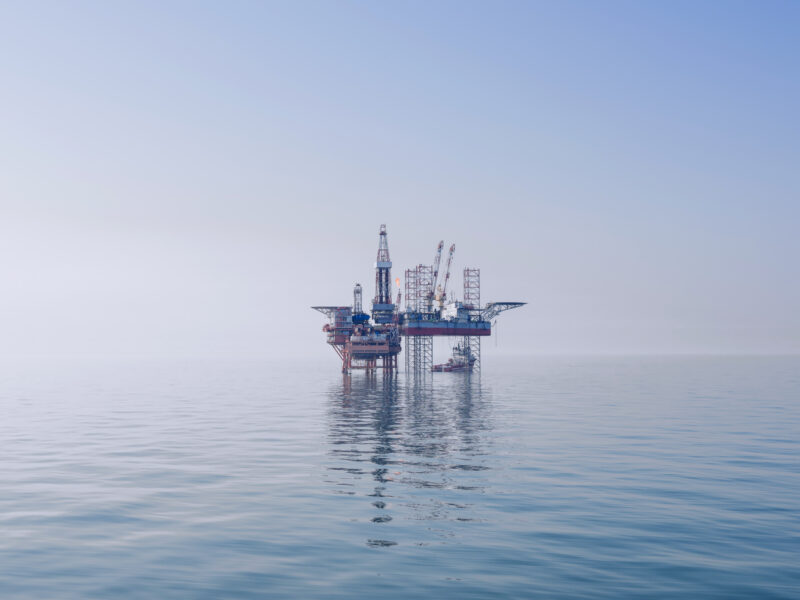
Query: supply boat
x=462, y=360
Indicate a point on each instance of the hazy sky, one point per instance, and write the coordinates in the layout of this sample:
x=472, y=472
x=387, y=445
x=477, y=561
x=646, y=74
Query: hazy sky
x=187, y=178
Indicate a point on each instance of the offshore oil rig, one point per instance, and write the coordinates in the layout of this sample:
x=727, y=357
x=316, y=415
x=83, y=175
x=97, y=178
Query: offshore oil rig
x=364, y=341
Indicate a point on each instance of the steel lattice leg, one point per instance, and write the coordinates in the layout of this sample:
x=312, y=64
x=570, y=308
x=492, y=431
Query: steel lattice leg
x=473, y=343
x=426, y=347
x=419, y=354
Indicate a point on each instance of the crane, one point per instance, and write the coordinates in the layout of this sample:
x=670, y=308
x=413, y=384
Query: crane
x=442, y=294
x=437, y=259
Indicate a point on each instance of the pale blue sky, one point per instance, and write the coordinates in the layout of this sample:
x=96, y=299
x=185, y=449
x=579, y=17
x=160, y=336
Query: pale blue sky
x=187, y=177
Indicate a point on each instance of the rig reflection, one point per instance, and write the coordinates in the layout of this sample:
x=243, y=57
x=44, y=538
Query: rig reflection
x=412, y=450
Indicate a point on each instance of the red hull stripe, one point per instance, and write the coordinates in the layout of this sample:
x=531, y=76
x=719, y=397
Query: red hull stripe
x=444, y=331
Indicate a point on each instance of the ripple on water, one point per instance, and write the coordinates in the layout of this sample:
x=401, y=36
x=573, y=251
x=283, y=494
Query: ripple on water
x=553, y=478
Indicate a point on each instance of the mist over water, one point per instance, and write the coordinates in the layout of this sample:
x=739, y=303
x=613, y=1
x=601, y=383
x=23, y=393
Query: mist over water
x=189, y=178
x=543, y=477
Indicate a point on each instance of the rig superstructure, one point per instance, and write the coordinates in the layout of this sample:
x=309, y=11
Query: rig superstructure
x=361, y=342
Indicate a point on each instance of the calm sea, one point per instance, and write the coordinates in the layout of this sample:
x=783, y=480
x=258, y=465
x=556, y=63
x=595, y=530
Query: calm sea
x=543, y=478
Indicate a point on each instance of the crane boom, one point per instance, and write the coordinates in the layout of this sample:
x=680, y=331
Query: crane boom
x=437, y=260
x=447, y=273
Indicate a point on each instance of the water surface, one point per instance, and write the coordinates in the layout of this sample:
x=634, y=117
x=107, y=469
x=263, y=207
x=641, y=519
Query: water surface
x=544, y=477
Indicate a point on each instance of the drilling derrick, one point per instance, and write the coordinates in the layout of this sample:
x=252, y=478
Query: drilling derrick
x=382, y=307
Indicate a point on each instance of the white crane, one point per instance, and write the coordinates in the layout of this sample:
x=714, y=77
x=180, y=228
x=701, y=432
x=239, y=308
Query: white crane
x=441, y=293
x=437, y=259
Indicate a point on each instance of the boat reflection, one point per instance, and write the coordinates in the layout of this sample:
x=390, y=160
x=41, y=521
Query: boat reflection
x=413, y=450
